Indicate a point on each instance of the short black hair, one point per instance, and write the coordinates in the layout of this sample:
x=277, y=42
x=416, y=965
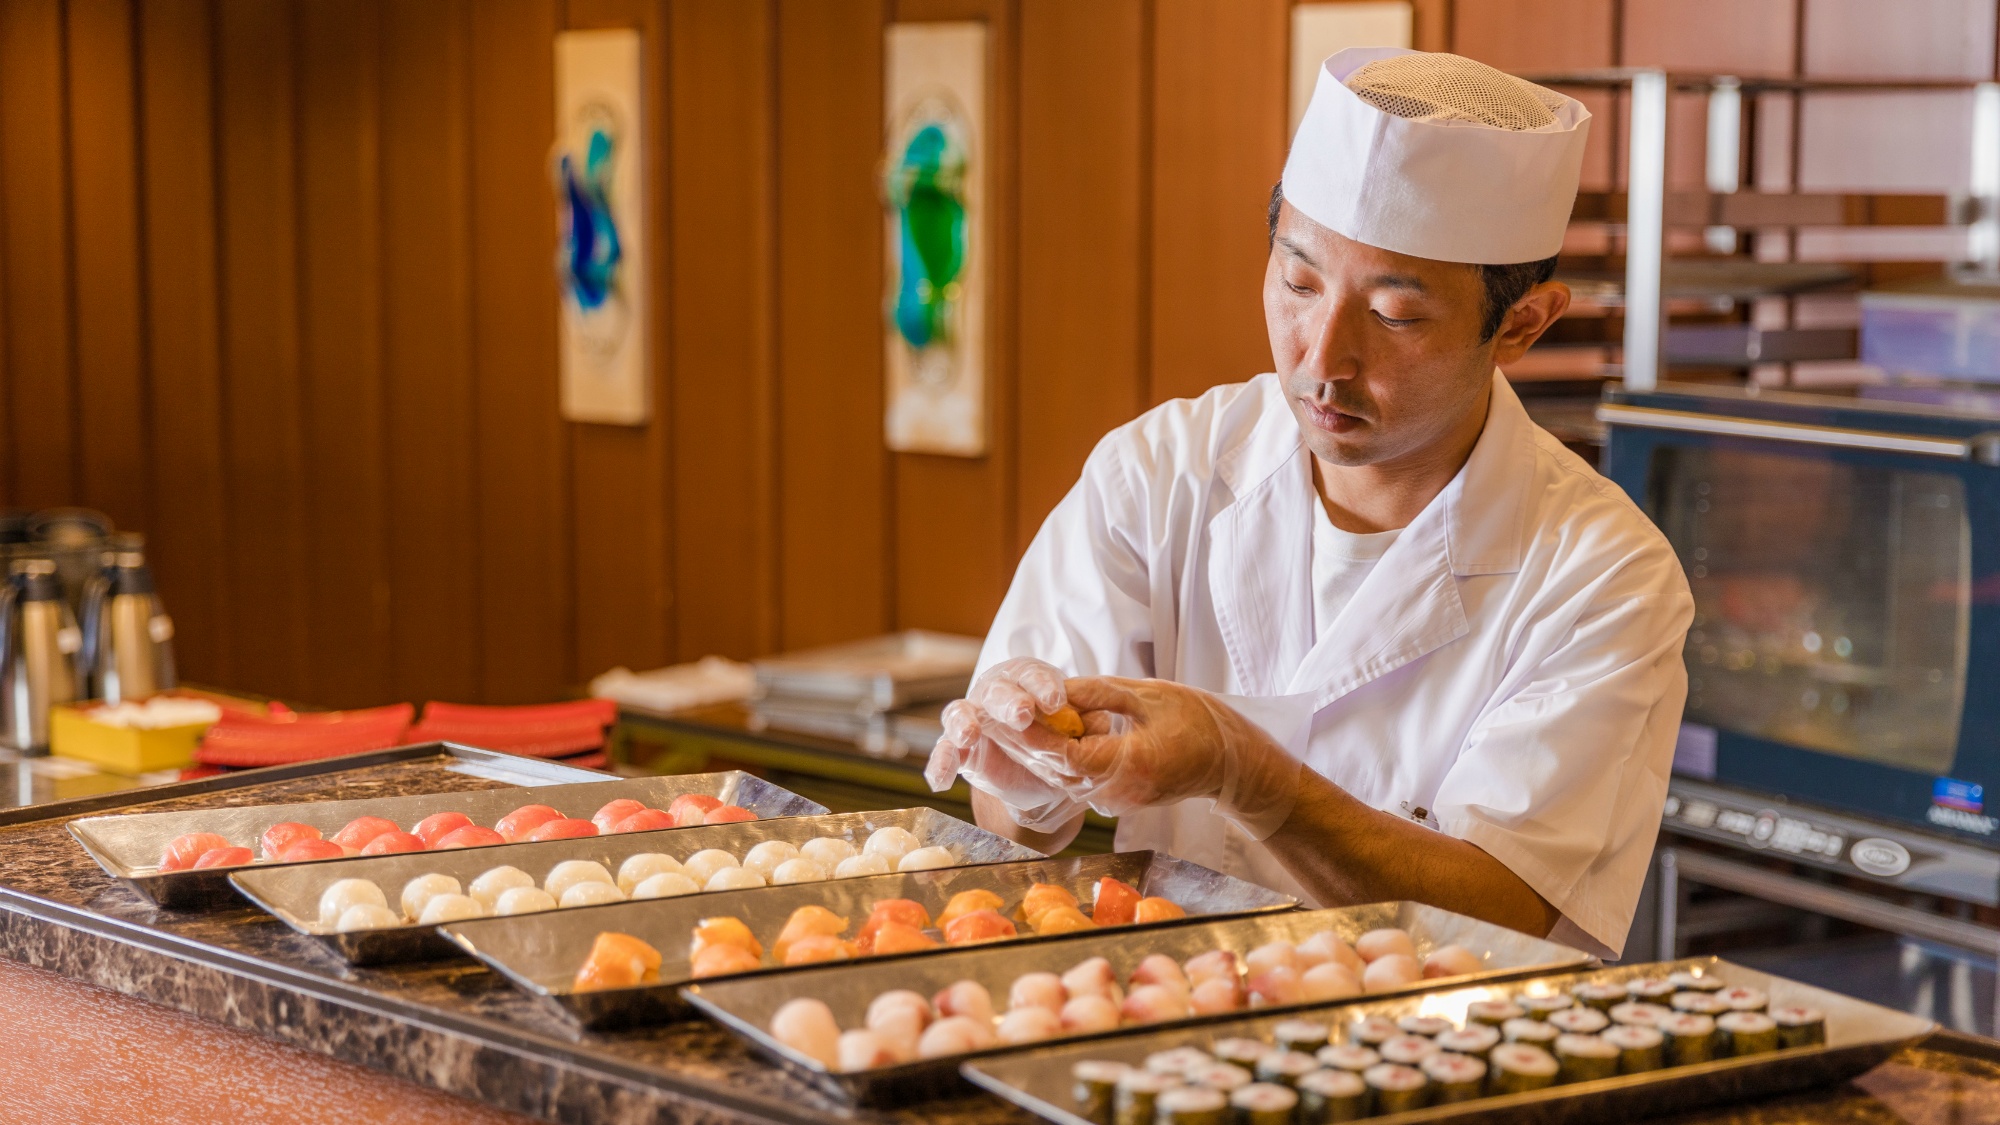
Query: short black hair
x=1504, y=284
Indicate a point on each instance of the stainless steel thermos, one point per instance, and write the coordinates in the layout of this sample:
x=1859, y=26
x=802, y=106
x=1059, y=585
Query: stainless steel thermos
x=39, y=642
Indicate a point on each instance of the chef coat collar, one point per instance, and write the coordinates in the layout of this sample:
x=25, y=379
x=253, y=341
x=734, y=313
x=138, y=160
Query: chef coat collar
x=1261, y=558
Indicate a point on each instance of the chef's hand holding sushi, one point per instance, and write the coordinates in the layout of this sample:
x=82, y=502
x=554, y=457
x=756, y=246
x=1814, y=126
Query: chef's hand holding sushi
x=1358, y=628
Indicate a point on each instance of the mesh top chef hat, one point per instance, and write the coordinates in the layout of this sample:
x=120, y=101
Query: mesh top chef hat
x=1437, y=156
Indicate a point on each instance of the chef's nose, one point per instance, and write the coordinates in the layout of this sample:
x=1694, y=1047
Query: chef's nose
x=1333, y=339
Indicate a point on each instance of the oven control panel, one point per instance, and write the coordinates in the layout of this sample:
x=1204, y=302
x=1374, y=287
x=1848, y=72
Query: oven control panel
x=1832, y=841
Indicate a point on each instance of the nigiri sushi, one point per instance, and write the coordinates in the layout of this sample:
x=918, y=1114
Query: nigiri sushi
x=980, y=925
x=645, y=820
x=310, y=848
x=688, y=808
x=1043, y=897
x=721, y=960
x=345, y=893
x=611, y=812
x=470, y=836
x=728, y=814
x=964, y=998
x=1061, y=920
x=807, y=921
x=967, y=902
x=814, y=948
x=355, y=834
x=1157, y=910
x=1116, y=904
x=283, y=834
x=516, y=825
x=182, y=851
x=807, y=1026
x=617, y=961
x=1376, y=944
x=437, y=826
x=393, y=843
x=568, y=828
x=895, y=937
x=724, y=931
x=927, y=859
x=224, y=857
x=1037, y=990
x=891, y=843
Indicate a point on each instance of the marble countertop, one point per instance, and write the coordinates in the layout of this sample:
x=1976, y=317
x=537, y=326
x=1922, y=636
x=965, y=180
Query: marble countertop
x=459, y=1028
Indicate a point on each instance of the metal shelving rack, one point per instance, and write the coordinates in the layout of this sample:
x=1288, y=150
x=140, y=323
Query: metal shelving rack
x=1732, y=206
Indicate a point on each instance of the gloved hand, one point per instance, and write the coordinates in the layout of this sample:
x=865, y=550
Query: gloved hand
x=989, y=733
x=1154, y=742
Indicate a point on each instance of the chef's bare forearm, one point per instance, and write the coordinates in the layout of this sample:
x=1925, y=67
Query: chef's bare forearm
x=991, y=815
x=1343, y=852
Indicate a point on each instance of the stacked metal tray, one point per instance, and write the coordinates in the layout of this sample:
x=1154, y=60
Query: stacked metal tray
x=541, y=953
x=1858, y=1036
x=745, y=1005
x=291, y=892
x=128, y=846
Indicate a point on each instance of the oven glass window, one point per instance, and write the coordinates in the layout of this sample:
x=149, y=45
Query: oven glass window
x=1832, y=601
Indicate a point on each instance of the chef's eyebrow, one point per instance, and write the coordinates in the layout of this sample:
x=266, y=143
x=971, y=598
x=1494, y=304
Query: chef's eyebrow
x=1399, y=281
x=1297, y=251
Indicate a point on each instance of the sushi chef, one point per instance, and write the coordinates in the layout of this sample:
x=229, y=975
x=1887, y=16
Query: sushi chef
x=1359, y=629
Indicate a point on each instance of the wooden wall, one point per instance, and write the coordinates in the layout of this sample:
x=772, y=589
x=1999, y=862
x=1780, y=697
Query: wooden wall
x=276, y=288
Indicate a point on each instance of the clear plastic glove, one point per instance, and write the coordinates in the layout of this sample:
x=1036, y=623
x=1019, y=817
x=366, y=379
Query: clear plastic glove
x=991, y=732
x=1155, y=742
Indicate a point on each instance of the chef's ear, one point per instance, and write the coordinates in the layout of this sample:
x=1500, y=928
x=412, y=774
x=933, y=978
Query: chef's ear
x=1531, y=316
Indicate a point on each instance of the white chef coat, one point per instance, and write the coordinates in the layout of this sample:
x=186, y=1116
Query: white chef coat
x=1509, y=672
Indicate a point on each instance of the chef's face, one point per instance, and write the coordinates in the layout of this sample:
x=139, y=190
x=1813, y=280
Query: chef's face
x=1380, y=352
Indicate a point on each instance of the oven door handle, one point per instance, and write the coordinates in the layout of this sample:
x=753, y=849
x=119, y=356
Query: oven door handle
x=1984, y=448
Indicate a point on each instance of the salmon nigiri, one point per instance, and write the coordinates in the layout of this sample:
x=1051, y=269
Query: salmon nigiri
x=805, y=922
x=724, y=931
x=617, y=961
x=1116, y=902
x=968, y=902
x=1044, y=897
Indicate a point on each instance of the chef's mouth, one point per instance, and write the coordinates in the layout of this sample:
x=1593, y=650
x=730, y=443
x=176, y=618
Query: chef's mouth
x=1331, y=419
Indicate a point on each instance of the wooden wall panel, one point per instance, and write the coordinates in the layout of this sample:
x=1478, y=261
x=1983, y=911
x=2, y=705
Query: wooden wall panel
x=525, y=593
x=836, y=570
x=1526, y=36
x=112, y=442
x=432, y=468
x=34, y=254
x=1219, y=112
x=1723, y=36
x=954, y=516
x=340, y=326
x=720, y=246
x=1083, y=319
x=620, y=498
x=1908, y=39
x=260, y=318
x=188, y=538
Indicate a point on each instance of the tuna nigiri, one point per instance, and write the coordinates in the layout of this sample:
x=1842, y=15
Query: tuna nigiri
x=615, y=811
x=645, y=820
x=182, y=851
x=471, y=836
x=224, y=857
x=284, y=834
x=310, y=848
x=355, y=834
x=393, y=843
x=437, y=826
x=565, y=829
x=516, y=825
x=727, y=814
x=689, y=808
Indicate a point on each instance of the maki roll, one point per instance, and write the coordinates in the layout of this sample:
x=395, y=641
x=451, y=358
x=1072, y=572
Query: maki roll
x=1653, y=990
x=1242, y=1052
x=1191, y=1105
x=1095, y=1088
x=1579, y=1021
x=1700, y=1003
x=1219, y=1076
x=1688, y=980
x=1262, y=1103
x=1581, y=1058
x=1285, y=1068
x=1454, y=1078
x=1639, y=1014
x=1178, y=1061
x=1520, y=1067
x=1301, y=1035
x=1407, y=1050
x=1430, y=1027
x=1528, y=1031
x=1640, y=1049
x=1397, y=1089
x=1138, y=1096
x=1475, y=1040
x=1747, y=1033
x=1373, y=1031
x=1602, y=995
x=1690, y=1038
x=1327, y=1096
x=1741, y=999
x=1348, y=1057
x=1799, y=1027
x=1493, y=1013
x=1539, y=1007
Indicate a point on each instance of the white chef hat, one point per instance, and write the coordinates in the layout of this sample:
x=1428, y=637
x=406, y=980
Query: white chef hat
x=1437, y=156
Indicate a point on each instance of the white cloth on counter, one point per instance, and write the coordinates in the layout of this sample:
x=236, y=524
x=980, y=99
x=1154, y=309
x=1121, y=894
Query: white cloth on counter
x=1510, y=668
x=710, y=680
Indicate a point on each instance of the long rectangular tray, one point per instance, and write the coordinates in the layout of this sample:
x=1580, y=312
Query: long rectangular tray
x=1858, y=1036
x=541, y=953
x=291, y=892
x=128, y=846
x=745, y=1005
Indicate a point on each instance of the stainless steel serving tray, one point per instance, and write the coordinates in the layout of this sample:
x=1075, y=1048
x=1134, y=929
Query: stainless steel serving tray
x=128, y=846
x=541, y=952
x=291, y=892
x=746, y=1005
x=1858, y=1036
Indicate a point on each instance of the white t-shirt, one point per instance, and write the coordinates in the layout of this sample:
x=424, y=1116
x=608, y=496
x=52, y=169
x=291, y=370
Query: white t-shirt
x=1341, y=561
